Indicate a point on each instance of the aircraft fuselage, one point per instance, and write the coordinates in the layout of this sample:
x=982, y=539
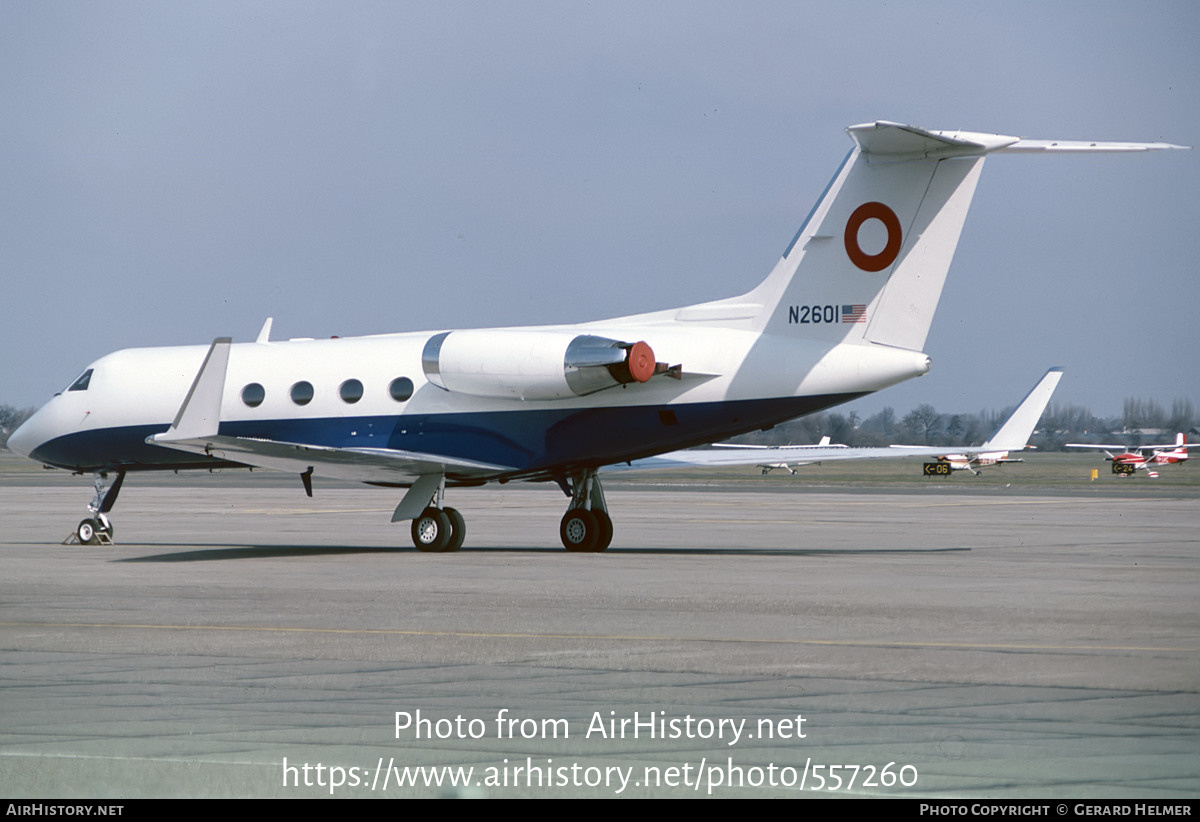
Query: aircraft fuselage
x=372, y=392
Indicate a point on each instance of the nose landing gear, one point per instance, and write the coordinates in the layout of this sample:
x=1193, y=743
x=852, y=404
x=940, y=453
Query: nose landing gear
x=98, y=528
x=92, y=531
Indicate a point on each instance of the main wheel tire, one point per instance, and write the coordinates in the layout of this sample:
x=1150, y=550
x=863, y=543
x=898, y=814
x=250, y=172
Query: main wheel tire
x=604, y=530
x=458, y=530
x=85, y=532
x=431, y=531
x=579, y=530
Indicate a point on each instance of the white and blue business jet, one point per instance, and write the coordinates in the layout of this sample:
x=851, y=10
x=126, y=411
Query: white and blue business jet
x=844, y=312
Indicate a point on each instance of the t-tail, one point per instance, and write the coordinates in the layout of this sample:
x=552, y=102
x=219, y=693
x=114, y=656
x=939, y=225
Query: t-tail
x=870, y=260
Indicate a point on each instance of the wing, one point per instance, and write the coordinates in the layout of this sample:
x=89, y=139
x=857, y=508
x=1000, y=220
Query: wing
x=721, y=456
x=785, y=455
x=1012, y=435
x=360, y=464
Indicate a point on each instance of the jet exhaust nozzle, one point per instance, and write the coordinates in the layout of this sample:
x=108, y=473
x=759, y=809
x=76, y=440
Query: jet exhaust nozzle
x=534, y=365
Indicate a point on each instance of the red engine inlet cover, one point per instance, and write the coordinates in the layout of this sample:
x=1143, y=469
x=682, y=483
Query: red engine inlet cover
x=641, y=361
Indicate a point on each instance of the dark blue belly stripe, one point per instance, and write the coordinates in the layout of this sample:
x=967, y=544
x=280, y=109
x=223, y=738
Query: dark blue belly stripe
x=541, y=441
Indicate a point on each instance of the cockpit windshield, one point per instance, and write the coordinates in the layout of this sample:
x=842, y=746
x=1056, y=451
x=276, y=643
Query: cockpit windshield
x=81, y=384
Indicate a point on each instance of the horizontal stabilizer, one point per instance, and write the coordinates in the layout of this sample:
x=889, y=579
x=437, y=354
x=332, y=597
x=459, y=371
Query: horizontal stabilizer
x=1031, y=146
x=884, y=138
x=899, y=141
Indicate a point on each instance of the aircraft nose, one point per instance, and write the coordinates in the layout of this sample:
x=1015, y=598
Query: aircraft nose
x=27, y=437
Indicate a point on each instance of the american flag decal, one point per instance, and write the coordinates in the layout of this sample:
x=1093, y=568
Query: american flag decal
x=854, y=313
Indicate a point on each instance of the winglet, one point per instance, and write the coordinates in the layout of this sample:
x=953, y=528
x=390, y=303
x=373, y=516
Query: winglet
x=200, y=414
x=265, y=334
x=1017, y=429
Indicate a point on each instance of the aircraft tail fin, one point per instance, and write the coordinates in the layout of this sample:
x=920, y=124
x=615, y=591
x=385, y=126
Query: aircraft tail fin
x=1014, y=433
x=870, y=260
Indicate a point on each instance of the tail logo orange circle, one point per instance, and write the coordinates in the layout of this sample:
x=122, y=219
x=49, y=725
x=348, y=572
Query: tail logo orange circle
x=873, y=262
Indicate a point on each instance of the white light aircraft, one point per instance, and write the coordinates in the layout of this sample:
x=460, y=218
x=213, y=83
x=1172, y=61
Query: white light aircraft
x=1012, y=435
x=844, y=312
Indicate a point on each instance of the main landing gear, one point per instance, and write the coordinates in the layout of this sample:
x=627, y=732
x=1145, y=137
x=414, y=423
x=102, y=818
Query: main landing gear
x=437, y=529
x=586, y=527
x=97, y=529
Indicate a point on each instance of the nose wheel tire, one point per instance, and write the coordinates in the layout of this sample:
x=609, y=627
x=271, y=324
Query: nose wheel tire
x=94, y=532
x=584, y=531
x=85, y=532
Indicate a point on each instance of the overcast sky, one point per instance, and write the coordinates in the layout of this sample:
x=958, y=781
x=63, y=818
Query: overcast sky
x=173, y=172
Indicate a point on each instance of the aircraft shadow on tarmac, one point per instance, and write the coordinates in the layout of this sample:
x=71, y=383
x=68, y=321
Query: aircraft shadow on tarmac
x=231, y=552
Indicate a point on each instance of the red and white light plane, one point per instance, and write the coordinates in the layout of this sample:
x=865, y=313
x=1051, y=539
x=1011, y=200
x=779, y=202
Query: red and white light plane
x=1131, y=459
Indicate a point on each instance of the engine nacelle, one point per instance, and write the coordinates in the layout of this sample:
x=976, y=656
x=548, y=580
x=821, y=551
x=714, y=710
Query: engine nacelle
x=533, y=365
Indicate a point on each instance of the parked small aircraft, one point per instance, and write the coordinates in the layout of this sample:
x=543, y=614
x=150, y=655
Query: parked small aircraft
x=845, y=312
x=1012, y=435
x=1133, y=458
